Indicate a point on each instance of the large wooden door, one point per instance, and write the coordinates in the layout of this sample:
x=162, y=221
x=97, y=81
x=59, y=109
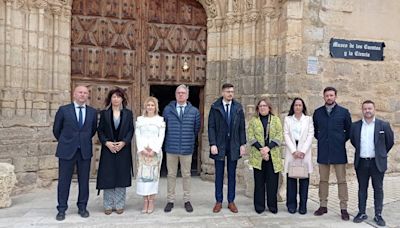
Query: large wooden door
x=134, y=44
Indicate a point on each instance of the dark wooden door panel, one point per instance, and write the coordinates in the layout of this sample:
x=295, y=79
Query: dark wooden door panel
x=134, y=44
x=176, y=32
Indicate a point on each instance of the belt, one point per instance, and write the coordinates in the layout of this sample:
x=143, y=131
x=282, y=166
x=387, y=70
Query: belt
x=368, y=159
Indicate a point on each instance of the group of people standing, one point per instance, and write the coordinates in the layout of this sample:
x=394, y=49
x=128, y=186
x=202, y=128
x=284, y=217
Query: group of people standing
x=176, y=131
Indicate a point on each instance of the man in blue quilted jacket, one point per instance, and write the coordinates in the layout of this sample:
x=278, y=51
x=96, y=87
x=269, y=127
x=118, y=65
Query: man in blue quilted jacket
x=183, y=125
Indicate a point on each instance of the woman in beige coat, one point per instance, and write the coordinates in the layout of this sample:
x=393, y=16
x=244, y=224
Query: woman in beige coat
x=298, y=134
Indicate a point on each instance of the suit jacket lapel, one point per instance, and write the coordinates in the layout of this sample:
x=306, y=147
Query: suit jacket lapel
x=73, y=113
x=88, y=115
x=376, y=131
x=358, y=135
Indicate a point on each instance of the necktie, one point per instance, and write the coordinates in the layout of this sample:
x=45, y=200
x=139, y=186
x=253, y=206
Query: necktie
x=181, y=112
x=80, y=119
x=227, y=114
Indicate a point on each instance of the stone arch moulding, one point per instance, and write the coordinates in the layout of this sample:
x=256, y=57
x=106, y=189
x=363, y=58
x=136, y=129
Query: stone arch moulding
x=211, y=7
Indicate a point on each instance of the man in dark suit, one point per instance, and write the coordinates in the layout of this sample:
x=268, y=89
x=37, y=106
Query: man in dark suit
x=74, y=126
x=227, y=138
x=332, y=124
x=372, y=138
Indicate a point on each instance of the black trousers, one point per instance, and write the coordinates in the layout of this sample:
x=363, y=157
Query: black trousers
x=265, y=181
x=367, y=169
x=291, y=193
x=65, y=171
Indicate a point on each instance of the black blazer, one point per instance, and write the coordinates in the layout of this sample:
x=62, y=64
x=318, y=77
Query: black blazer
x=70, y=136
x=115, y=170
x=383, y=140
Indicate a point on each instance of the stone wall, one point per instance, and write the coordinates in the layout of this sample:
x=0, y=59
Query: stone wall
x=34, y=82
x=261, y=46
x=356, y=80
x=268, y=57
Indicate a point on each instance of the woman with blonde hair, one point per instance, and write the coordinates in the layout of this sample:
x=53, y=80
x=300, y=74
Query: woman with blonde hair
x=265, y=136
x=150, y=131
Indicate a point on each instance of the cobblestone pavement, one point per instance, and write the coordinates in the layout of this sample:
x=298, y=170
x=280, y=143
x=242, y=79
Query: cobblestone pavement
x=37, y=209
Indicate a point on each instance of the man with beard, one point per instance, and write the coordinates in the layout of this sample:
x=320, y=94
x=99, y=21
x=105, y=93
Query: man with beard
x=227, y=138
x=332, y=124
x=372, y=138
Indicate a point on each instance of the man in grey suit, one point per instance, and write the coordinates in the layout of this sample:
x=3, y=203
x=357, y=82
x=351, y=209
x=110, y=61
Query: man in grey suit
x=372, y=138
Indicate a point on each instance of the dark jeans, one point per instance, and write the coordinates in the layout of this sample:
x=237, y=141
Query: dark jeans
x=219, y=179
x=291, y=193
x=65, y=171
x=265, y=181
x=365, y=170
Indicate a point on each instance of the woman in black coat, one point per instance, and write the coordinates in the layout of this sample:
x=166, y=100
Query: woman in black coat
x=115, y=133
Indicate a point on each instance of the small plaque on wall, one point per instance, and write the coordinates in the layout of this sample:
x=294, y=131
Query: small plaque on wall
x=312, y=65
x=356, y=49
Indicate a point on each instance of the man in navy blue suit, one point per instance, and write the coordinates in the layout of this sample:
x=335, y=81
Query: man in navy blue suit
x=74, y=126
x=227, y=138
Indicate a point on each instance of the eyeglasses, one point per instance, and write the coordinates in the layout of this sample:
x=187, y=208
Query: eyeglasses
x=262, y=106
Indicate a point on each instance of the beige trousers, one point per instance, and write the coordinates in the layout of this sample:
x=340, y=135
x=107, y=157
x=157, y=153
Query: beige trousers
x=172, y=165
x=324, y=171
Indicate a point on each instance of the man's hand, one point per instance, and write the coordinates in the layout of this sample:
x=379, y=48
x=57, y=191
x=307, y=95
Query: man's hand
x=242, y=150
x=214, y=150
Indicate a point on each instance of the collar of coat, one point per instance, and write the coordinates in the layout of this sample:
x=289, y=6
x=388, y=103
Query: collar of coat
x=218, y=105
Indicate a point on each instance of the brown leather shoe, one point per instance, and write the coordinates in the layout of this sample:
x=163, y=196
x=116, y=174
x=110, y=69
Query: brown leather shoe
x=233, y=207
x=345, y=215
x=217, y=208
x=108, y=211
x=321, y=211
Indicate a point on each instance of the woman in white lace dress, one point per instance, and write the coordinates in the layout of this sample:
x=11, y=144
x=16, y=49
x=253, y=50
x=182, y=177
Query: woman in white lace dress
x=150, y=131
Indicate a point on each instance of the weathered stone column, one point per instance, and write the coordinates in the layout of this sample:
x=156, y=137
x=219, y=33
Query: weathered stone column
x=7, y=182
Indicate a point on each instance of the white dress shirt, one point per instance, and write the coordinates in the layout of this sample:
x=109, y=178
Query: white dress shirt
x=225, y=103
x=77, y=111
x=178, y=108
x=367, y=149
x=297, y=127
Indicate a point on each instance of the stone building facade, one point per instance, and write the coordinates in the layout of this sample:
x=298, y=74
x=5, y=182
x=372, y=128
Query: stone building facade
x=261, y=46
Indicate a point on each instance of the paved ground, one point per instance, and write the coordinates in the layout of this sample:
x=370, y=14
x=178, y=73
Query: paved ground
x=37, y=209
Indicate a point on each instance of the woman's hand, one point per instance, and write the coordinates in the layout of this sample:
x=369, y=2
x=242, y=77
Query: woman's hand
x=111, y=146
x=119, y=145
x=148, y=152
x=264, y=150
x=298, y=154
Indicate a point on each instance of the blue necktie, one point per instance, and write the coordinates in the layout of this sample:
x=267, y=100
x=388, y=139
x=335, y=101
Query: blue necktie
x=181, y=112
x=80, y=119
x=227, y=115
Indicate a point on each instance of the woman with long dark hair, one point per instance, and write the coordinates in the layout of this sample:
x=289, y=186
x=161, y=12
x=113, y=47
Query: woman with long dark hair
x=115, y=133
x=298, y=134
